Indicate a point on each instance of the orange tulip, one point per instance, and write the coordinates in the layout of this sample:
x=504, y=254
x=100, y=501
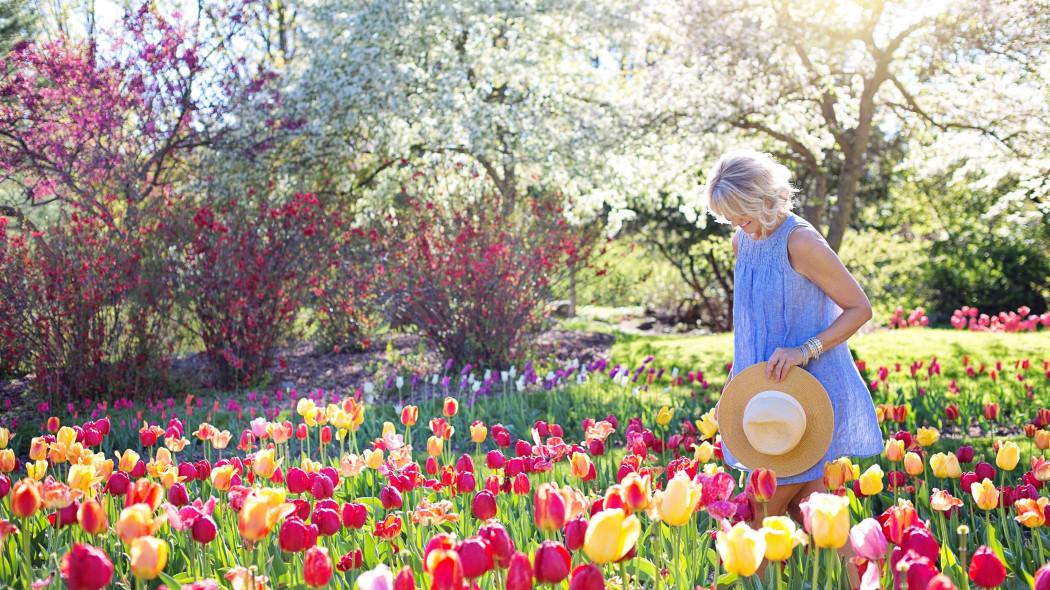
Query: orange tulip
x=26, y=498
x=894, y=450
x=580, y=465
x=263, y=508
x=985, y=494
x=137, y=521
x=450, y=407
x=434, y=446
x=145, y=492
x=92, y=517
x=478, y=432
x=636, y=491
x=1030, y=512
x=409, y=415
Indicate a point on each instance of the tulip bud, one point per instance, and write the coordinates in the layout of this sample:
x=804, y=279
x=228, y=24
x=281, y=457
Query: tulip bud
x=484, y=505
x=764, y=483
x=92, y=517
x=575, y=533
x=587, y=577
x=354, y=515
x=148, y=556
x=390, y=498
x=475, y=556
x=327, y=521
x=293, y=535
x=178, y=496
x=552, y=563
x=204, y=530
x=86, y=568
x=986, y=570
x=317, y=567
x=522, y=485
x=519, y=574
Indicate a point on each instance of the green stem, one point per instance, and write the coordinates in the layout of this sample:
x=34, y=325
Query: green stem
x=816, y=566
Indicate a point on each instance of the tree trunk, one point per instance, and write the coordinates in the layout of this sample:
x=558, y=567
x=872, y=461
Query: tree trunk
x=852, y=170
x=814, y=211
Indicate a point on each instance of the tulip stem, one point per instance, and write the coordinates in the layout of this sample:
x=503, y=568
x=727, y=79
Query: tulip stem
x=1039, y=542
x=816, y=566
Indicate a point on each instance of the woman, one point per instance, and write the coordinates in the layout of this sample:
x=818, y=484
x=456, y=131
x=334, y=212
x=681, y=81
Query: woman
x=794, y=304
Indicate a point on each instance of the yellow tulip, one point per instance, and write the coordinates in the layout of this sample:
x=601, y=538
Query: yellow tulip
x=305, y=407
x=663, y=417
x=927, y=436
x=707, y=424
x=434, y=446
x=939, y=464
x=675, y=505
x=952, y=467
x=264, y=465
x=871, y=481
x=37, y=469
x=741, y=549
x=82, y=477
x=704, y=452
x=374, y=459
x=912, y=463
x=263, y=508
x=5, y=437
x=310, y=466
x=478, y=432
x=894, y=450
x=610, y=535
x=1008, y=456
x=985, y=494
x=782, y=536
x=827, y=518
x=66, y=436
x=148, y=555
x=1042, y=440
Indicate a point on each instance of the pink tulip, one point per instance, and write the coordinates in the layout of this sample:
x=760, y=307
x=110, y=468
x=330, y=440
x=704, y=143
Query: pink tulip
x=867, y=539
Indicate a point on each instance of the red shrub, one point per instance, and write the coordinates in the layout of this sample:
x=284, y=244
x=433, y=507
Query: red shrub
x=472, y=279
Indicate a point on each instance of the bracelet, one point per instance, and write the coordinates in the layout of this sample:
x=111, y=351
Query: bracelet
x=815, y=347
x=805, y=355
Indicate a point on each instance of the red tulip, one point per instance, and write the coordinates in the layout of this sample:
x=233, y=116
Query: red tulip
x=596, y=447
x=991, y=411
x=465, y=482
x=965, y=454
x=895, y=521
x=985, y=471
x=484, y=505
x=404, y=579
x=476, y=557
x=432, y=465
x=296, y=481
x=390, y=498
x=86, y=568
x=500, y=542
x=549, y=508
x=293, y=535
x=552, y=563
x=92, y=517
x=952, y=412
x=1042, y=578
x=317, y=567
x=204, y=530
x=177, y=495
x=327, y=521
x=920, y=570
x=326, y=435
x=519, y=574
x=920, y=540
x=438, y=541
x=354, y=515
x=985, y=568
x=350, y=561
x=575, y=531
x=445, y=569
x=5, y=485
x=118, y=484
x=300, y=432
x=587, y=577
x=465, y=464
x=522, y=485
x=495, y=460
x=941, y=582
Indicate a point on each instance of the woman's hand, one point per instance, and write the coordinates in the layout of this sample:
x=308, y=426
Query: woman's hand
x=782, y=360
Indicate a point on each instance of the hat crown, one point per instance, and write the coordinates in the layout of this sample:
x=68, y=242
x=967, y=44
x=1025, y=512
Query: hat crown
x=774, y=422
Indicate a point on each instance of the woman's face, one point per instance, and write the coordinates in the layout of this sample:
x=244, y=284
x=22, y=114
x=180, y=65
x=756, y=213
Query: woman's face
x=748, y=225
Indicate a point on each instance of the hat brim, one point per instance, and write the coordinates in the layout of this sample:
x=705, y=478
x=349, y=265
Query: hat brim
x=804, y=387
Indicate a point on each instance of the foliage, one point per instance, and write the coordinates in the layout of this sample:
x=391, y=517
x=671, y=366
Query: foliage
x=245, y=271
x=471, y=277
x=84, y=309
x=885, y=265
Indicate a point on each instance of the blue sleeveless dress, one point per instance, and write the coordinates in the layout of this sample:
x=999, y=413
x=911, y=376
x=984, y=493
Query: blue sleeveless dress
x=775, y=307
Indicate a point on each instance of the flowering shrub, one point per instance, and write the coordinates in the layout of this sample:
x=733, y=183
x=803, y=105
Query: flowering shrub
x=468, y=278
x=81, y=307
x=916, y=317
x=244, y=273
x=968, y=318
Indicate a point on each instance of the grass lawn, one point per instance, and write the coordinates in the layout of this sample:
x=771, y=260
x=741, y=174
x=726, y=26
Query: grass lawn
x=883, y=347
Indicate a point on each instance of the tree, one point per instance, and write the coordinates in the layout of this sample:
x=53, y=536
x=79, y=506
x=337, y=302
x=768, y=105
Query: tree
x=15, y=24
x=817, y=81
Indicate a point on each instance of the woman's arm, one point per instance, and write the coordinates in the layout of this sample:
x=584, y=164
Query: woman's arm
x=812, y=257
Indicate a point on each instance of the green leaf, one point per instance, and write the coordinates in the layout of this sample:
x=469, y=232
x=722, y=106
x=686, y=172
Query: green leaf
x=644, y=567
x=169, y=581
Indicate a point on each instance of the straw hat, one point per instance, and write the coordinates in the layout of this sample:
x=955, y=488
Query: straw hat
x=785, y=427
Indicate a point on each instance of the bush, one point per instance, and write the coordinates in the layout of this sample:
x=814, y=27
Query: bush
x=245, y=272
x=82, y=309
x=471, y=278
x=889, y=268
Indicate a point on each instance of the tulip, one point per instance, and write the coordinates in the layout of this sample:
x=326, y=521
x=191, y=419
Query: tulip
x=1042, y=578
x=927, y=436
x=552, y=563
x=951, y=466
x=764, y=484
x=985, y=471
x=222, y=477
x=675, y=505
x=610, y=535
x=519, y=572
x=827, y=519
x=952, y=412
x=576, y=532
x=1031, y=513
x=264, y=465
x=137, y=521
x=1008, y=456
x=985, y=494
x=912, y=464
x=478, y=432
x=587, y=577
x=550, y=508
x=484, y=505
x=390, y=498
x=26, y=498
x=868, y=540
x=148, y=555
x=580, y=466
x=781, y=537
x=475, y=555
x=203, y=530
x=894, y=450
x=663, y=417
x=261, y=511
x=409, y=415
x=92, y=517
x=834, y=475
x=942, y=501
x=991, y=411
x=354, y=515
x=86, y=568
x=1042, y=439
x=522, y=485
x=7, y=460
x=449, y=407
x=635, y=491
x=871, y=480
x=326, y=520
x=317, y=567
x=741, y=549
x=986, y=570
x=965, y=454
x=294, y=535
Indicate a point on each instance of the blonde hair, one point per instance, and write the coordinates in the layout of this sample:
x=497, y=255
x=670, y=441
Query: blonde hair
x=746, y=182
